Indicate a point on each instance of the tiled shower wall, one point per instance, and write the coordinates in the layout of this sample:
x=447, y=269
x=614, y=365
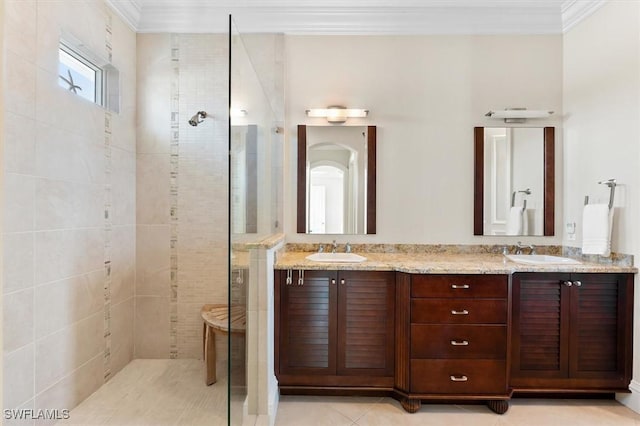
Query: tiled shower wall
x=69, y=225
x=182, y=191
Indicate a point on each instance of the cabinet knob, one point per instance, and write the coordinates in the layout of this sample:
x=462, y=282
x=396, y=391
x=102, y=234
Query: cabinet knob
x=577, y=283
x=333, y=280
x=459, y=378
x=342, y=281
x=457, y=286
x=567, y=283
x=457, y=343
x=462, y=312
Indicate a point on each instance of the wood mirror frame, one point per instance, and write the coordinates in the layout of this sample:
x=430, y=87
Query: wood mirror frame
x=302, y=180
x=549, y=181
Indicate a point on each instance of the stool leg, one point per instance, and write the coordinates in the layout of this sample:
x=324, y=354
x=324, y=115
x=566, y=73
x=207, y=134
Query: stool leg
x=210, y=356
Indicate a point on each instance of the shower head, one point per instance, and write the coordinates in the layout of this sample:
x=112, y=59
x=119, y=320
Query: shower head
x=198, y=118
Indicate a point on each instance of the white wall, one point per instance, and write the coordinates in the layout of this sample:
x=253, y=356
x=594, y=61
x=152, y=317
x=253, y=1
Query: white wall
x=425, y=94
x=602, y=128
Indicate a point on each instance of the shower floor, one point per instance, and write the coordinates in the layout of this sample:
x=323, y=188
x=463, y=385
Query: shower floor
x=158, y=392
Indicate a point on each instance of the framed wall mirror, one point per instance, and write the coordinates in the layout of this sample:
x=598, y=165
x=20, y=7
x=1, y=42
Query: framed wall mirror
x=336, y=179
x=514, y=188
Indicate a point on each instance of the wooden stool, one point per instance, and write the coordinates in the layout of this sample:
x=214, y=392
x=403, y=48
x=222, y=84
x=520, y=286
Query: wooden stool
x=216, y=318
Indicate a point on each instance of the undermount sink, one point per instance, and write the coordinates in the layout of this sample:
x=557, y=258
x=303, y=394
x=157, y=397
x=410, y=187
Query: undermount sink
x=336, y=257
x=541, y=259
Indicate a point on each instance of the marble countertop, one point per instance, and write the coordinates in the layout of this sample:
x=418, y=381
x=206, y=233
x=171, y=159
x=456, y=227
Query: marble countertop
x=439, y=263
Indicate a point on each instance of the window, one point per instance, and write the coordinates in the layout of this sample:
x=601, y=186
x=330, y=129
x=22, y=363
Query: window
x=93, y=79
x=79, y=75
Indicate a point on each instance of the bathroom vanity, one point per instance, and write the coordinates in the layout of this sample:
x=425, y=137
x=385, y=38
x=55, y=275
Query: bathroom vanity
x=451, y=327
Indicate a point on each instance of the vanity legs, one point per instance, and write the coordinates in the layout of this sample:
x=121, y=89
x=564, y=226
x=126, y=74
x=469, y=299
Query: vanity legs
x=410, y=405
x=498, y=406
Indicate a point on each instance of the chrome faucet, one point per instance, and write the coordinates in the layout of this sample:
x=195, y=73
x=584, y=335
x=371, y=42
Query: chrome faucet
x=347, y=248
x=320, y=248
x=519, y=247
x=334, y=246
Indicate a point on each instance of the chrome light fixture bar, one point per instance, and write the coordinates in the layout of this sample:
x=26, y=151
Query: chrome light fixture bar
x=337, y=114
x=518, y=115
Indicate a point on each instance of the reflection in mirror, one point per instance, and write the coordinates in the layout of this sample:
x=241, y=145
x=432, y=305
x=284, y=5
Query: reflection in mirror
x=514, y=188
x=244, y=179
x=336, y=179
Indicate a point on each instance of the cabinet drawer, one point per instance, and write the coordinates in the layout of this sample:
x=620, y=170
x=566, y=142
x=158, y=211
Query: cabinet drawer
x=493, y=286
x=459, y=311
x=459, y=341
x=439, y=376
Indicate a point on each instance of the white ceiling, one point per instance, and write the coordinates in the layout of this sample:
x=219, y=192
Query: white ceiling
x=357, y=16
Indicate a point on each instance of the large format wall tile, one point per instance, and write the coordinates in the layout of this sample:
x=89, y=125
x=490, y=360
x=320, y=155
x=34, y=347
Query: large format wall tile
x=62, y=303
x=18, y=261
x=59, y=354
x=66, y=253
x=19, y=192
x=153, y=189
x=63, y=205
x=153, y=265
x=152, y=327
x=20, y=143
x=122, y=317
x=123, y=263
x=18, y=380
x=17, y=320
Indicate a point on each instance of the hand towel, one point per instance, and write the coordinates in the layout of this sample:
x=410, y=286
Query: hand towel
x=515, y=221
x=597, y=221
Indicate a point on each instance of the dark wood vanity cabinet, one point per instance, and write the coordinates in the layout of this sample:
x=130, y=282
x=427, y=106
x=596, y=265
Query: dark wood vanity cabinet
x=335, y=328
x=572, y=332
x=457, y=338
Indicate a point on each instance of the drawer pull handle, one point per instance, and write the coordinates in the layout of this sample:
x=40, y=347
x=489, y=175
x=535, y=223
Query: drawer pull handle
x=462, y=343
x=459, y=378
x=463, y=286
x=462, y=312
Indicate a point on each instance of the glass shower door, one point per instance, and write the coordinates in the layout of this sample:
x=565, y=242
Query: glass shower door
x=255, y=170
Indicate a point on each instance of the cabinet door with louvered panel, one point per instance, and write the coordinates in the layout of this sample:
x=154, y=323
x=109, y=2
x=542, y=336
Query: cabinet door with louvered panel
x=366, y=312
x=540, y=332
x=307, y=324
x=600, y=326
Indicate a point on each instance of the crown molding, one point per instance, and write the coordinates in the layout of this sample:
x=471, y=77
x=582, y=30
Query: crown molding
x=129, y=10
x=574, y=11
x=363, y=17
x=355, y=20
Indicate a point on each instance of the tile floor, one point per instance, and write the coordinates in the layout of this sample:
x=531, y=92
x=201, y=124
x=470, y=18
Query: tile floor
x=339, y=411
x=172, y=392
x=157, y=392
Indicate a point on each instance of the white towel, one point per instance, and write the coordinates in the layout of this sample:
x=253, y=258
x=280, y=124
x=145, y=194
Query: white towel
x=597, y=221
x=515, y=221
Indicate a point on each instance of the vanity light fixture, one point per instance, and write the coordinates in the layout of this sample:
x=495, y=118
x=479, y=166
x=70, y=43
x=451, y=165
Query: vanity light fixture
x=337, y=114
x=518, y=115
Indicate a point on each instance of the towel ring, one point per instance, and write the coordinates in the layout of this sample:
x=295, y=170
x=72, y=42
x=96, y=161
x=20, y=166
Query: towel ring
x=611, y=183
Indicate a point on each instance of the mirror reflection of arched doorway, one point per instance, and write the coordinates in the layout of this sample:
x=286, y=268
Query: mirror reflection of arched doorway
x=326, y=200
x=333, y=185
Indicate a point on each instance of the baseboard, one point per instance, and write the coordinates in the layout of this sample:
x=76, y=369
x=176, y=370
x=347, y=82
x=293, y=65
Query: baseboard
x=631, y=400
